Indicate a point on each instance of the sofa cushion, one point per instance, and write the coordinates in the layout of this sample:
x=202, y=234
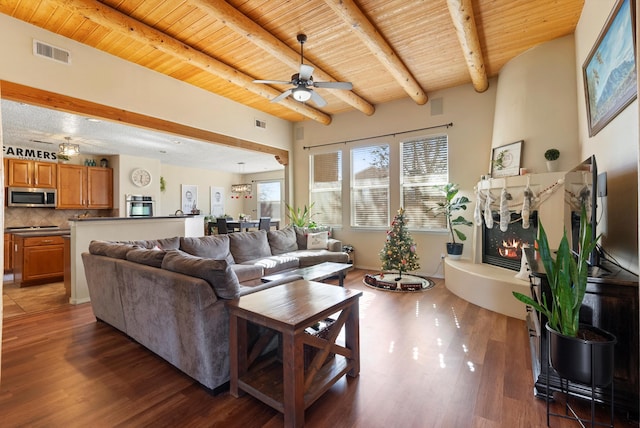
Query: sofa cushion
x=163, y=243
x=302, y=232
x=317, y=240
x=247, y=272
x=308, y=258
x=282, y=241
x=210, y=247
x=218, y=273
x=152, y=257
x=247, y=246
x=275, y=264
x=115, y=250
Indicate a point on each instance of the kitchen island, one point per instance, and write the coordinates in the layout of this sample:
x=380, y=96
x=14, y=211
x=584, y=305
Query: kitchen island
x=85, y=230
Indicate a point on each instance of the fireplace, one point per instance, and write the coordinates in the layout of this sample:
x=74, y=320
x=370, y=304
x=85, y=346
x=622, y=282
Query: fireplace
x=504, y=249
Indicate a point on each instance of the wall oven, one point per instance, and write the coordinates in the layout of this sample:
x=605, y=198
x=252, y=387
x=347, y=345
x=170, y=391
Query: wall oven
x=138, y=206
x=31, y=197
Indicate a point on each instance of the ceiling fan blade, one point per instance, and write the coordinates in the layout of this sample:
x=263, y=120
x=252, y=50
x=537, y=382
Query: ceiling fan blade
x=305, y=72
x=272, y=82
x=334, y=85
x=282, y=96
x=317, y=99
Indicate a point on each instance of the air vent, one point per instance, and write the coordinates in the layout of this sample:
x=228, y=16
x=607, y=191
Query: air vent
x=261, y=124
x=51, y=52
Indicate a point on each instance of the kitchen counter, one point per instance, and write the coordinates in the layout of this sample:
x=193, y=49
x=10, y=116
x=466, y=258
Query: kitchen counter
x=135, y=218
x=40, y=232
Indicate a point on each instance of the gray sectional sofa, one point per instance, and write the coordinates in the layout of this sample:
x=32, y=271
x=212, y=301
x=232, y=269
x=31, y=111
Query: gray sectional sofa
x=169, y=294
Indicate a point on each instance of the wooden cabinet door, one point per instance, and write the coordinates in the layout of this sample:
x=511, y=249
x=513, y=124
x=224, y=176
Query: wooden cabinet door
x=43, y=262
x=44, y=174
x=100, y=187
x=72, y=189
x=20, y=173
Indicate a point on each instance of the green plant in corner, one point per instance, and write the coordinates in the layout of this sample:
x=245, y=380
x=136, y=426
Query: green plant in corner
x=301, y=217
x=567, y=277
x=552, y=154
x=449, y=206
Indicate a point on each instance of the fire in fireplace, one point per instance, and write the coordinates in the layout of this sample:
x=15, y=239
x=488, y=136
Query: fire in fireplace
x=504, y=249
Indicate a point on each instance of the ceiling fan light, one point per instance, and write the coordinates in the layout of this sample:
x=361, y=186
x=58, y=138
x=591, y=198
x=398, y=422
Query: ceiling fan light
x=301, y=94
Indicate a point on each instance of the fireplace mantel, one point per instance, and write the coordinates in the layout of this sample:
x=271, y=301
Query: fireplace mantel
x=489, y=286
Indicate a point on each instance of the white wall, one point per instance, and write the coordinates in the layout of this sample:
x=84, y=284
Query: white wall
x=536, y=102
x=469, y=156
x=615, y=147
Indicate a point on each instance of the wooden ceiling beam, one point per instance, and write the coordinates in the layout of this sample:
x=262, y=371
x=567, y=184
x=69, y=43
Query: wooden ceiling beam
x=461, y=13
x=116, y=21
x=39, y=97
x=240, y=23
x=349, y=12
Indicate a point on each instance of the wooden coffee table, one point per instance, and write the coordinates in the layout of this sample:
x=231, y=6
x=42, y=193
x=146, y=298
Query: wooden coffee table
x=318, y=272
x=288, y=309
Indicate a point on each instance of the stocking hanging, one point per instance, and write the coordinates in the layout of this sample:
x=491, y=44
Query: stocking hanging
x=504, y=210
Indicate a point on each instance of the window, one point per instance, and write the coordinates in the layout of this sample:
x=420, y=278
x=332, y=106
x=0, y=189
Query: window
x=370, y=186
x=325, y=185
x=424, y=170
x=269, y=197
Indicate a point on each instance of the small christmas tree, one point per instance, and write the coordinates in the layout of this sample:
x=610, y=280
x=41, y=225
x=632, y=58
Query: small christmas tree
x=399, y=252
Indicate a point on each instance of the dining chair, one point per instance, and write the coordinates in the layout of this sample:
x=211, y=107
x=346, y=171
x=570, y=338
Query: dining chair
x=265, y=223
x=221, y=224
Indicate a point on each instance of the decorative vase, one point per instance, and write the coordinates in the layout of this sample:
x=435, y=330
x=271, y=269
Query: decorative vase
x=454, y=250
x=552, y=165
x=582, y=360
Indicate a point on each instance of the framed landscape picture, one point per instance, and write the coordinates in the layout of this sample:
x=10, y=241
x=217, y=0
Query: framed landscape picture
x=609, y=71
x=505, y=160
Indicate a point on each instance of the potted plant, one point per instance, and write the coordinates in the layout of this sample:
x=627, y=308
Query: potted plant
x=447, y=208
x=552, y=156
x=301, y=217
x=571, y=344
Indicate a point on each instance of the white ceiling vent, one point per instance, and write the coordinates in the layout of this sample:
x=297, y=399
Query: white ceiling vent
x=261, y=124
x=48, y=51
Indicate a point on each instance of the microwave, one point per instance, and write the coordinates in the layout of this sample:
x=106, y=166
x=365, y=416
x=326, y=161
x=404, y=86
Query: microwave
x=31, y=197
x=138, y=206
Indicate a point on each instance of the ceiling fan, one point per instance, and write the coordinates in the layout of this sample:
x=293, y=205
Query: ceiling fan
x=303, y=82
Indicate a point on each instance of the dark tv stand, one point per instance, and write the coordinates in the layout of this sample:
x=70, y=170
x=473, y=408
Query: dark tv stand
x=611, y=303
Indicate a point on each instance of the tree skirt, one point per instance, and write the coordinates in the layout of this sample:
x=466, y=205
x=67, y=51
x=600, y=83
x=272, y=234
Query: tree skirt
x=391, y=282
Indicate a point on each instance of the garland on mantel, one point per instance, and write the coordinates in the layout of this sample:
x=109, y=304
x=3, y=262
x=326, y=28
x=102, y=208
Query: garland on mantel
x=505, y=204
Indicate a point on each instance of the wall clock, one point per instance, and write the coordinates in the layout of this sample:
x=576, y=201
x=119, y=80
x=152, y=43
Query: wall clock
x=141, y=177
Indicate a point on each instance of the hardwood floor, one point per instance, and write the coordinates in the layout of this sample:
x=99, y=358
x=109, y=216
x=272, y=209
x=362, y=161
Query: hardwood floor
x=429, y=359
x=18, y=301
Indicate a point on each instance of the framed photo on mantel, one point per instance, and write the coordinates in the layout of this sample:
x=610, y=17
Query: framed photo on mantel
x=505, y=160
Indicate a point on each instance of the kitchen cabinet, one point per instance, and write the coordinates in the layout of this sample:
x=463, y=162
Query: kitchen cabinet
x=27, y=173
x=84, y=187
x=8, y=253
x=38, y=259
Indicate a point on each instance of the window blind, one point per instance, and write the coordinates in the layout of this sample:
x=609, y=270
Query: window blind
x=370, y=186
x=326, y=187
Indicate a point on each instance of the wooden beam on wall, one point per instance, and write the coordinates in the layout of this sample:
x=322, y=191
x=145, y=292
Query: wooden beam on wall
x=350, y=13
x=113, y=20
x=461, y=13
x=38, y=97
x=253, y=32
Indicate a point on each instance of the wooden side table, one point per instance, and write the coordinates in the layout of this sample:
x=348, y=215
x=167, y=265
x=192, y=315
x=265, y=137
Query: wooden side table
x=288, y=309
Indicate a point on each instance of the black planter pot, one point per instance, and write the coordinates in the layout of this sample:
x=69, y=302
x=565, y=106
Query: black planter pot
x=454, y=249
x=573, y=358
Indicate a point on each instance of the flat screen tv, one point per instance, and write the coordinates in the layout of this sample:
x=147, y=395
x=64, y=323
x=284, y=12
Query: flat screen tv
x=580, y=184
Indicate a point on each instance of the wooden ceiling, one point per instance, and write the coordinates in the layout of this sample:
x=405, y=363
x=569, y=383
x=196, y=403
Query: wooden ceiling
x=388, y=49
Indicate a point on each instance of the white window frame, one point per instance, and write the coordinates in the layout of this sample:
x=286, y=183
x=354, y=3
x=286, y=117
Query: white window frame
x=357, y=186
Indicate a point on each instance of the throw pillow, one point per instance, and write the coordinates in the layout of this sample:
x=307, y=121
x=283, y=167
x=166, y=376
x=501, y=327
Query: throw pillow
x=282, y=241
x=317, y=241
x=217, y=273
x=247, y=246
x=152, y=257
x=211, y=247
x=111, y=249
